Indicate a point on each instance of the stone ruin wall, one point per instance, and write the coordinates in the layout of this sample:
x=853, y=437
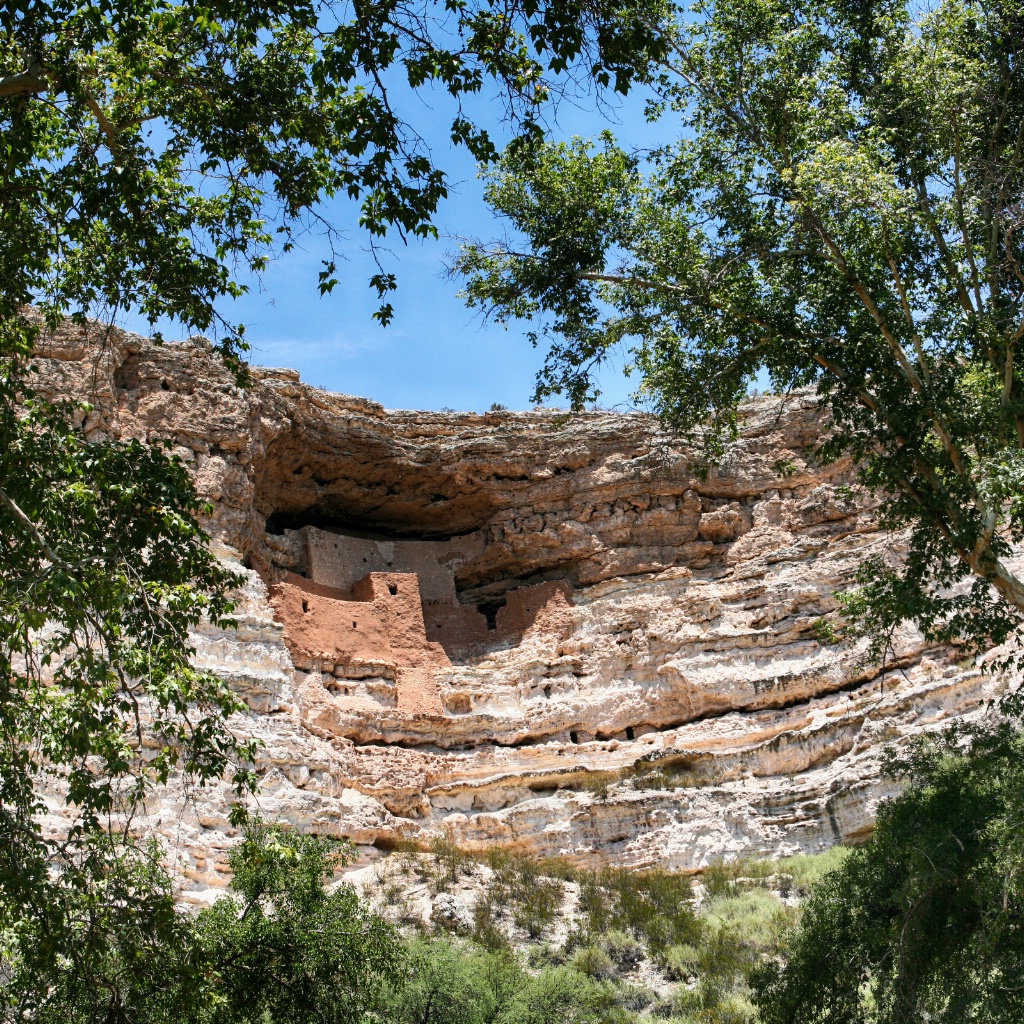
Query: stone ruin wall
x=542, y=632
x=406, y=620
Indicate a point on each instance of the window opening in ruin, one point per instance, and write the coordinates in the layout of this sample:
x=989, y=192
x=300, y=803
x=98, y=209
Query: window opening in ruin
x=629, y=732
x=354, y=625
x=574, y=737
x=547, y=691
x=392, y=587
x=305, y=605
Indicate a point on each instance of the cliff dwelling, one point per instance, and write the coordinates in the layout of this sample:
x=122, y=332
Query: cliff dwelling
x=381, y=616
x=549, y=635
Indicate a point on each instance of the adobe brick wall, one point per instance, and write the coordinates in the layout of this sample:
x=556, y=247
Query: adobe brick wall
x=339, y=560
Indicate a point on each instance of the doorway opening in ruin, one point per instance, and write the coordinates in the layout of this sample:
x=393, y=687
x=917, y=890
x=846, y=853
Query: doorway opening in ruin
x=490, y=609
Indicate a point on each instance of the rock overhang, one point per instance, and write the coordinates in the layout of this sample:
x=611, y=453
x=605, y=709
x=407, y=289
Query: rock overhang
x=684, y=626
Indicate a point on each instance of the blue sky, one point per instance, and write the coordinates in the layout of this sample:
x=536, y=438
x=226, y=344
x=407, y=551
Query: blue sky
x=436, y=353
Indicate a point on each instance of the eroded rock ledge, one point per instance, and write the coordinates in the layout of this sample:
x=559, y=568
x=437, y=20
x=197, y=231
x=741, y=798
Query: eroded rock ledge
x=544, y=631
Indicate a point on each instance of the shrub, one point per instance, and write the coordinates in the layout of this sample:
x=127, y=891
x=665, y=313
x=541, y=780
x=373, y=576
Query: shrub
x=625, y=951
x=561, y=995
x=806, y=869
x=440, y=987
x=537, y=905
x=449, y=863
x=656, y=906
x=717, y=880
x=487, y=928
x=288, y=948
x=635, y=997
x=680, y=963
x=545, y=955
x=533, y=899
x=653, y=778
x=709, y=1004
x=595, y=906
x=753, y=918
x=594, y=962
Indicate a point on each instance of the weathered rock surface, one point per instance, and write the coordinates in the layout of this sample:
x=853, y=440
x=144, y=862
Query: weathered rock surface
x=546, y=632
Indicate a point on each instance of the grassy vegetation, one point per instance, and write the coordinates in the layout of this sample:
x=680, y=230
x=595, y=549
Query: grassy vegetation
x=667, y=774
x=552, y=942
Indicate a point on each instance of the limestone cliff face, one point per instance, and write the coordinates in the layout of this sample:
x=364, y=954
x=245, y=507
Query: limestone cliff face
x=528, y=629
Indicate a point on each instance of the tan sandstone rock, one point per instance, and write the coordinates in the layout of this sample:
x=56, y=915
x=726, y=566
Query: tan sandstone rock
x=554, y=633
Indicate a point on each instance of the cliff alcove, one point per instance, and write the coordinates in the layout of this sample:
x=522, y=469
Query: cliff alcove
x=545, y=633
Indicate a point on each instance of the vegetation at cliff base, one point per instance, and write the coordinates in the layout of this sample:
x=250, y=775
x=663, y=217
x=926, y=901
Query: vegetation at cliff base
x=926, y=921
x=290, y=944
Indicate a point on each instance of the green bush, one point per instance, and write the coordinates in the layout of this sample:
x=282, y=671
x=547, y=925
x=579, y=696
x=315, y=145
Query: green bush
x=806, y=869
x=487, y=928
x=533, y=899
x=545, y=955
x=708, y=1005
x=287, y=949
x=447, y=983
x=561, y=995
x=680, y=963
x=594, y=962
x=656, y=906
x=626, y=952
x=635, y=997
x=753, y=918
x=798, y=872
x=537, y=905
x=449, y=863
x=594, y=907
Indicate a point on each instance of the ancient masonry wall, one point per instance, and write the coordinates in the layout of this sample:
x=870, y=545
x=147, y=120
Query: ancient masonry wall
x=390, y=608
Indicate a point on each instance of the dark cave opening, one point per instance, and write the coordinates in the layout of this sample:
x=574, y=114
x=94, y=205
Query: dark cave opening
x=361, y=527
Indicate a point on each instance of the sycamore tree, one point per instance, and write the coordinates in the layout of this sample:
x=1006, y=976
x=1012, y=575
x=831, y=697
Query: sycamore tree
x=926, y=921
x=843, y=209
x=284, y=948
x=154, y=152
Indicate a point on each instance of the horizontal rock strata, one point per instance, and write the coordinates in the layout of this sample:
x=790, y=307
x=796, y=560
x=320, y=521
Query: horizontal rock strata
x=561, y=634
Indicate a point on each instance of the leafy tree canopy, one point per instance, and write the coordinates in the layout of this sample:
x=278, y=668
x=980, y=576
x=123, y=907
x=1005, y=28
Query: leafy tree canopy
x=109, y=946
x=152, y=150
x=843, y=209
x=153, y=146
x=287, y=950
x=104, y=571
x=283, y=946
x=925, y=922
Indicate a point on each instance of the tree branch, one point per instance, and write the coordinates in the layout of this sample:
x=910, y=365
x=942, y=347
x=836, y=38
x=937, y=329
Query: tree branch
x=33, y=530
x=26, y=83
